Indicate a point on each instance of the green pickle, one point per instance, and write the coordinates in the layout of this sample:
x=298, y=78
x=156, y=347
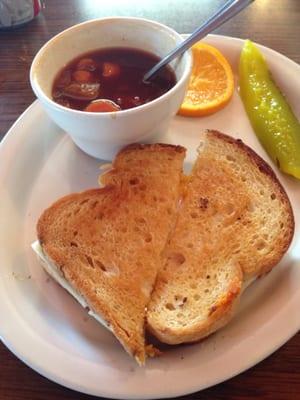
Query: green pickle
x=270, y=115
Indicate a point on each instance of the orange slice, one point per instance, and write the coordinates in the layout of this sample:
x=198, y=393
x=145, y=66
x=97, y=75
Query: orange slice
x=211, y=82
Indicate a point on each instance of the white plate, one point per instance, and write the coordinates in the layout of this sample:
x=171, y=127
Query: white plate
x=51, y=333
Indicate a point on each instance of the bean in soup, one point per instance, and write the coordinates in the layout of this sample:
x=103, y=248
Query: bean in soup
x=110, y=79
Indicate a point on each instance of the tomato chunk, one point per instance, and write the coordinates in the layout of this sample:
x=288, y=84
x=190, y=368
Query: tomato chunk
x=102, y=105
x=111, y=70
x=87, y=64
x=82, y=76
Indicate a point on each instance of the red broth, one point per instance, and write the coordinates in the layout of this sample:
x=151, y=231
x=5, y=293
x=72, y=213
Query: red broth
x=110, y=79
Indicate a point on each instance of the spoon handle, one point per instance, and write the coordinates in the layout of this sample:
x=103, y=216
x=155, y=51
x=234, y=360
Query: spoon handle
x=229, y=10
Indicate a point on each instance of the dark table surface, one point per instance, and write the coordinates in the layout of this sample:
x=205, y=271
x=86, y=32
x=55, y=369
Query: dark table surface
x=275, y=24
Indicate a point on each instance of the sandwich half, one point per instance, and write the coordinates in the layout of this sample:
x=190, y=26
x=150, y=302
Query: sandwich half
x=104, y=245
x=235, y=223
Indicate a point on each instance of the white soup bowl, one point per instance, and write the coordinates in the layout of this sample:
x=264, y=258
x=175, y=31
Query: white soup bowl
x=101, y=135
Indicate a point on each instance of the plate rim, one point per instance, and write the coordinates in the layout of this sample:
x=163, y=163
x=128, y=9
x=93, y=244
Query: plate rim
x=6, y=142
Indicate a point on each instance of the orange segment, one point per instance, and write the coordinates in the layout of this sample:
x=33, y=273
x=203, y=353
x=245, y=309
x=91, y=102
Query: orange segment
x=211, y=83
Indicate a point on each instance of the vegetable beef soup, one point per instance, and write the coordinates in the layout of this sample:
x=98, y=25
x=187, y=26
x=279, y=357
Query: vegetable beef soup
x=110, y=79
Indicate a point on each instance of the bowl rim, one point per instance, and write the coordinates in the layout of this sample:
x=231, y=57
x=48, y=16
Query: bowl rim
x=41, y=95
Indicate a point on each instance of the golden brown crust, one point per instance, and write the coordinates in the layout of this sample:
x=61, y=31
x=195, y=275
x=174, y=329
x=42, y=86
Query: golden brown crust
x=108, y=247
x=152, y=148
x=219, y=314
x=261, y=164
x=254, y=157
x=273, y=182
x=235, y=224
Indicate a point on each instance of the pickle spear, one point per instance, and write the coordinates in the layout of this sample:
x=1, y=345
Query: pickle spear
x=270, y=115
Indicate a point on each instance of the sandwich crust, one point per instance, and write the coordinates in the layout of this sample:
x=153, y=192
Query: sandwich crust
x=234, y=225
x=107, y=242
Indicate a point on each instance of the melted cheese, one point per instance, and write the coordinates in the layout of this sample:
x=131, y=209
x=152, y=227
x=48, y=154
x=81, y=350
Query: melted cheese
x=54, y=272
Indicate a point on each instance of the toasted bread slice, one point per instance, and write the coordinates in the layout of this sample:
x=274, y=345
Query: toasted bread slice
x=107, y=242
x=235, y=223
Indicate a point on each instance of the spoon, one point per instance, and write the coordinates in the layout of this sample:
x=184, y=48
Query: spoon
x=227, y=11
